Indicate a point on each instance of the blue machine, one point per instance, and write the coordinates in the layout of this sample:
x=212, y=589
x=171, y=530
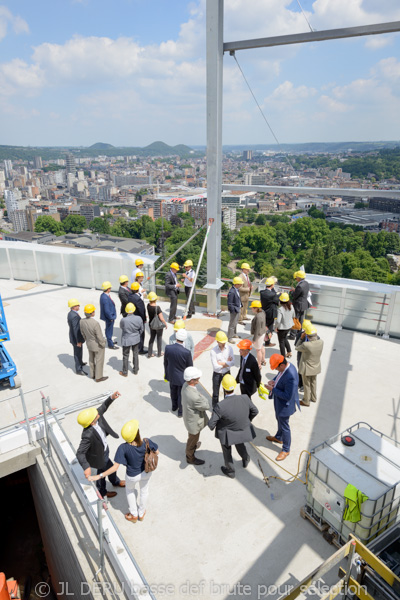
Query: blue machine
x=8, y=369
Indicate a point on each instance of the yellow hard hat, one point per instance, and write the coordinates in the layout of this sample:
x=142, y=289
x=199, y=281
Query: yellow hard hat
x=138, y=262
x=309, y=328
x=129, y=430
x=73, y=302
x=188, y=263
x=89, y=309
x=123, y=278
x=255, y=304
x=135, y=285
x=237, y=280
x=130, y=308
x=174, y=266
x=284, y=297
x=152, y=297
x=221, y=337
x=106, y=285
x=87, y=416
x=270, y=281
x=245, y=266
x=229, y=383
x=180, y=324
x=299, y=274
x=306, y=323
x=139, y=274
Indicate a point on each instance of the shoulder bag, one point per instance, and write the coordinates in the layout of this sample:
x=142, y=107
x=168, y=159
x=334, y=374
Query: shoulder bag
x=150, y=458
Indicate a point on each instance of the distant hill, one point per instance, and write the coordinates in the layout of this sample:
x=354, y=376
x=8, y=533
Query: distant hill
x=100, y=146
x=328, y=147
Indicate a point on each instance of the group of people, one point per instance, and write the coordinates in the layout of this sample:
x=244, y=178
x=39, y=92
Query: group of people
x=232, y=416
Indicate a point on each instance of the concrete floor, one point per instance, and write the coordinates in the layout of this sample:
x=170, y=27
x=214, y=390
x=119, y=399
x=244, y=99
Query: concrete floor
x=206, y=536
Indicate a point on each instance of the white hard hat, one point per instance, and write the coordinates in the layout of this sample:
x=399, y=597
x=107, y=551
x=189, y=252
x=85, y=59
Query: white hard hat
x=181, y=335
x=191, y=373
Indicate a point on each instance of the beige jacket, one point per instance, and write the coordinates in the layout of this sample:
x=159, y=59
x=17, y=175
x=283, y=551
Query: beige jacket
x=194, y=407
x=245, y=289
x=91, y=331
x=310, y=360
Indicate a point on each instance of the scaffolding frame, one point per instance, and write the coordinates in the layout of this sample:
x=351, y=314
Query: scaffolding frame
x=214, y=57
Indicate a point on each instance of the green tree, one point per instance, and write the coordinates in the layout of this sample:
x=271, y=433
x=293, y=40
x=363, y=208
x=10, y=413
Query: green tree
x=47, y=223
x=74, y=224
x=100, y=225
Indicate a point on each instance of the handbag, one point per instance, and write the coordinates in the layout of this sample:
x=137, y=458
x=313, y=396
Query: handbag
x=296, y=324
x=156, y=323
x=150, y=458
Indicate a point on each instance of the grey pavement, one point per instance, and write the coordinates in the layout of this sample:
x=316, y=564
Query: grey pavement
x=204, y=535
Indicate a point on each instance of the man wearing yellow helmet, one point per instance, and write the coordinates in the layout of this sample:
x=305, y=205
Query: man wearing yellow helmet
x=269, y=302
x=75, y=336
x=123, y=293
x=310, y=347
x=138, y=267
x=172, y=290
x=300, y=295
x=188, y=280
x=108, y=313
x=140, y=311
x=234, y=306
x=245, y=291
x=95, y=341
x=93, y=451
x=222, y=359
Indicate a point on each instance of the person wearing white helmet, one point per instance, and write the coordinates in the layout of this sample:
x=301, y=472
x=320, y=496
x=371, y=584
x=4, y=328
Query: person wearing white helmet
x=222, y=359
x=194, y=407
x=176, y=359
x=188, y=343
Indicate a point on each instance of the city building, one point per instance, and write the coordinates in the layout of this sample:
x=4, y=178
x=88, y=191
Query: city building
x=229, y=217
x=19, y=220
x=8, y=167
x=30, y=237
x=70, y=165
x=37, y=162
x=247, y=154
x=89, y=211
x=389, y=204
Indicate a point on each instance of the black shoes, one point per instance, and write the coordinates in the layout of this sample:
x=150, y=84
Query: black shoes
x=245, y=461
x=196, y=461
x=229, y=474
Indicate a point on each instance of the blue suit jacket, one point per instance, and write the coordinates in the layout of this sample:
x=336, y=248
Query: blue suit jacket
x=107, y=308
x=176, y=359
x=234, y=302
x=285, y=394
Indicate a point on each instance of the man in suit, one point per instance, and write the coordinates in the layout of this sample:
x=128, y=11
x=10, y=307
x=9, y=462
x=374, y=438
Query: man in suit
x=234, y=305
x=140, y=311
x=91, y=332
x=310, y=348
x=249, y=374
x=194, y=406
x=245, y=292
x=231, y=420
x=75, y=336
x=176, y=359
x=269, y=303
x=108, y=314
x=93, y=451
x=123, y=293
x=283, y=389
x=300, y=295
x=172, y=290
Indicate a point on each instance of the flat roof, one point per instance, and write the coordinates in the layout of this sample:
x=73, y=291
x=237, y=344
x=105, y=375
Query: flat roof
x=201, y=528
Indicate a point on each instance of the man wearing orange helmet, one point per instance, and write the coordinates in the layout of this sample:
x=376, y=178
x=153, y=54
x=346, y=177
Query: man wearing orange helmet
x=249, y=374
x=283, y=390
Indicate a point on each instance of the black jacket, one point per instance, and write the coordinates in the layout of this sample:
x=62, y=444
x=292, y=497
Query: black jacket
x=251, y=375
x=91, y=449
x=299, y=296
x=170, y=288
x=140, y=307
x=123, y=295
x=75, y=335
x=269, y=303
x=232, y=418
x=176, y=359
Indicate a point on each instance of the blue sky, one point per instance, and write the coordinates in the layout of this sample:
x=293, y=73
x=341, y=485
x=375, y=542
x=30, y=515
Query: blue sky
x=130, y=72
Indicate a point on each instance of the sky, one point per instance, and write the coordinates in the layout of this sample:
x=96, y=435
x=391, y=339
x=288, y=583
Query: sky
x=131, y=72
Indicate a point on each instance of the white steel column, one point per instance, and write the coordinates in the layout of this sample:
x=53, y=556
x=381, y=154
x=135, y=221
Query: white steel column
x=215, y=54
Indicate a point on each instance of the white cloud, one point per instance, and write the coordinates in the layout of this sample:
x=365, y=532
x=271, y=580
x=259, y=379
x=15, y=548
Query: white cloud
x=333, y=106
x=344, y=13
x=17, y=76
x=287, y=93
x=8, y=19
x=376, y=42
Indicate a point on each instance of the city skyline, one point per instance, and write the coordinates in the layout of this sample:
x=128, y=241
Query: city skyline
x=134, y=73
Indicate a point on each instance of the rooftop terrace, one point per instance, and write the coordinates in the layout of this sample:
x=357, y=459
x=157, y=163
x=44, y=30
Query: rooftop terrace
x=202, y=529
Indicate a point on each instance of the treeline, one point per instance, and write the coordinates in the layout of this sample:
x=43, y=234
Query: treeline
x=385, y=164
x=277, y=248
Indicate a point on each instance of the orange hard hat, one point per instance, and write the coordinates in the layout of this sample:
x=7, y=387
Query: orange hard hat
x=245, y=345
x=275, y=360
